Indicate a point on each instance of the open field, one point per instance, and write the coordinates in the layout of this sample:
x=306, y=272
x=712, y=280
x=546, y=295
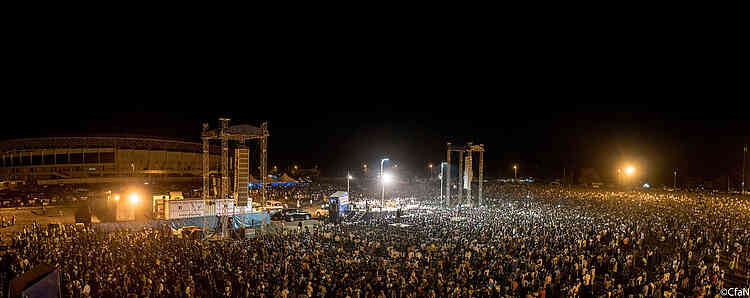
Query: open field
x=26, y=216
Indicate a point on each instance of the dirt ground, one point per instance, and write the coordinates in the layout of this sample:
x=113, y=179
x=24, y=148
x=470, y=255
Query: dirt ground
x=28, y=216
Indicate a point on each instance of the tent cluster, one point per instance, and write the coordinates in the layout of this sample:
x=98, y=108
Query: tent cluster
x=283, y=180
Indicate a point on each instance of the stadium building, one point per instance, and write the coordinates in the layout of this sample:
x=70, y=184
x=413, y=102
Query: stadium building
x=83, y=160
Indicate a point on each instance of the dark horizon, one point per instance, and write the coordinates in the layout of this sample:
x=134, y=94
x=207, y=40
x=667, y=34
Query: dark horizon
x=542, y=139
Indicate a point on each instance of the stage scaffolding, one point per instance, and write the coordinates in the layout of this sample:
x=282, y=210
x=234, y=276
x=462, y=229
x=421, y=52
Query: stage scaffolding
x=235, y=136
x=465, y=172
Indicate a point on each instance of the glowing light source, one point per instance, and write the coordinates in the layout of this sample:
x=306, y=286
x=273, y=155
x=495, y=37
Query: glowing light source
x=134, y=198
x=117, y=197
x=630, y=170
x=387, y=178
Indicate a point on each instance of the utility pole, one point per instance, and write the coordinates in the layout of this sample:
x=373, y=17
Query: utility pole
x=441, y=182
x=744, y=154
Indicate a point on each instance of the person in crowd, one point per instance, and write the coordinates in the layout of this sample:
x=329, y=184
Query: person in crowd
x=524, y=240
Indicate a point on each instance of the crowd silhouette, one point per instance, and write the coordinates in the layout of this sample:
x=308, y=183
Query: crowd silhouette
x=524, y=240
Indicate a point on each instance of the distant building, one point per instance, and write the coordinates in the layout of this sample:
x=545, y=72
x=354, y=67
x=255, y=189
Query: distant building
x=82, y=160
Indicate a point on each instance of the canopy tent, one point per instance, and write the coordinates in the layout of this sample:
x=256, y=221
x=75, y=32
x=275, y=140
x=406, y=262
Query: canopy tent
x=285, y=178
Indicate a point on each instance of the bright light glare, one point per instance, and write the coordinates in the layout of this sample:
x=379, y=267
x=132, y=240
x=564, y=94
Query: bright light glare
x=629, y=170
x=349, y=177
x=134, y=198
x=117, y=197
x=387, y=178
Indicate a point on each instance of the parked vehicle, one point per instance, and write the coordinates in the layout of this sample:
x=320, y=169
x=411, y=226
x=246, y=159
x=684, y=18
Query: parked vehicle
x=291, y=214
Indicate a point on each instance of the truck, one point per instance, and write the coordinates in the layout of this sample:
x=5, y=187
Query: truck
x=338, y=204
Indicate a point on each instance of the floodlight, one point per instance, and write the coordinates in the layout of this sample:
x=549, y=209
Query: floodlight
x=629, y=170
x=387, y=178
x=134, y=198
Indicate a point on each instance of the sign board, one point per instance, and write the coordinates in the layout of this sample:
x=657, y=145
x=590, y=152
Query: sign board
x=199, y=208
x=185, y=209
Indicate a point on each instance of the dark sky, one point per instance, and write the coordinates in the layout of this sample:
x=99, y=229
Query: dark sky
x=659, y=102
x=543, y=138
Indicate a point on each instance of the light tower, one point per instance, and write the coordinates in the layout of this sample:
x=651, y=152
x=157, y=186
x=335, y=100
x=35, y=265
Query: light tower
x=237, y=135
x=465, y=172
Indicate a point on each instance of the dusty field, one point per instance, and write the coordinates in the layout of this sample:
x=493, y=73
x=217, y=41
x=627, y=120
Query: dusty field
x=28, y=216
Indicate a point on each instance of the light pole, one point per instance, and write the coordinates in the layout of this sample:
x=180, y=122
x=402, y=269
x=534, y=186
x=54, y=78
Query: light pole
x=382, y=181
x=386, y=179
x=515, y=171
x=629, y=171
x=743, y=169
x=675, y=179
x=441, y=182
x=348, y=177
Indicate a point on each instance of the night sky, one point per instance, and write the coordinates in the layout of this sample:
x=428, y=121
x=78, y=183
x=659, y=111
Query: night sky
x=543, y=138
x=337, y=107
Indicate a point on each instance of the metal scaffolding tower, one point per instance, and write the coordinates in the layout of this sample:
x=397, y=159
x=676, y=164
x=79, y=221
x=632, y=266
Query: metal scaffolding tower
x=263, y=161
x=465, y=171
x=224, y=122
x=228, y=135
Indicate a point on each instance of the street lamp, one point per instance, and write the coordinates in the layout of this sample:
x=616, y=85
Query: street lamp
x=430, y=166
x=675, y=179
x=134, y=198
x=382, y=200
x=515, y=171
x=441, y=181
x=387, y=178
x=348, y=177
x=630, y=170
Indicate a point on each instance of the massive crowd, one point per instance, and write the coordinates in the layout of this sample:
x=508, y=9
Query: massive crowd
x=524, y=241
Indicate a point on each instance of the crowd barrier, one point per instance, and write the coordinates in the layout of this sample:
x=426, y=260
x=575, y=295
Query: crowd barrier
x=238, y=221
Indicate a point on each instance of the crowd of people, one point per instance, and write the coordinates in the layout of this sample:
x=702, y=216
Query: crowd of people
x=523, y=240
